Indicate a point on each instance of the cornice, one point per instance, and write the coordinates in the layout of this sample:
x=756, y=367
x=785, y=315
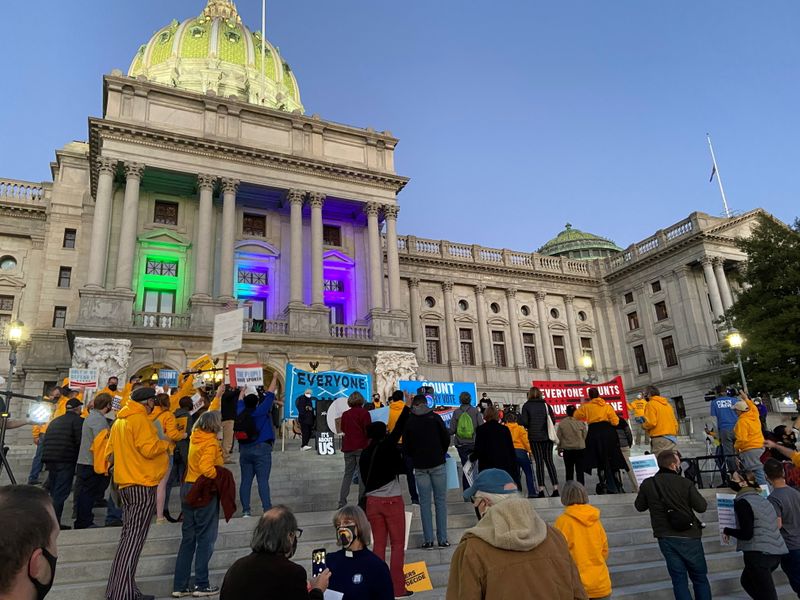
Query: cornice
x=37, y=213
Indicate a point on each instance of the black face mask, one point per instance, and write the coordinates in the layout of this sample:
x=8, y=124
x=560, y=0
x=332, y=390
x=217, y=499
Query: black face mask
x=112, y=387
x=735, y=486
x=43, y=588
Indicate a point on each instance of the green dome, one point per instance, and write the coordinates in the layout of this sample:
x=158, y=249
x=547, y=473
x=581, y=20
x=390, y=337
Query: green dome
x=574, y=243
x=217, y=52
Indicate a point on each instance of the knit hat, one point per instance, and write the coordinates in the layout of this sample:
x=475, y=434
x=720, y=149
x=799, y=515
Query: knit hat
x=741, y=406
x=73, y=403
x=143, y=394
x=491, y=481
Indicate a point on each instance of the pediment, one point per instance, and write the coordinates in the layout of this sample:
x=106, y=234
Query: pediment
x=164, y=236
x=529, y=324
x=634, y=336
x=256, y=249
x=497, y=321
x=430, y=315
x=465, y=319
x=337, y=257
x=662, y=327
x=557, y=327
x=586, y=329
x=11, y=281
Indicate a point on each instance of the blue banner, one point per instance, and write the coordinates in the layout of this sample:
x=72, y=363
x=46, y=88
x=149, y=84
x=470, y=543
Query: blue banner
x=167, y=378
x=324, y=385
x=445, y=393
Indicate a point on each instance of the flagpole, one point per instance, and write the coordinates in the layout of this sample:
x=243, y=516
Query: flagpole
x=263, y=49
x=719, y=179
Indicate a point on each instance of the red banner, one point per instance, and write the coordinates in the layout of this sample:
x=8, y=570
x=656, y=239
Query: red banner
x=560, y=394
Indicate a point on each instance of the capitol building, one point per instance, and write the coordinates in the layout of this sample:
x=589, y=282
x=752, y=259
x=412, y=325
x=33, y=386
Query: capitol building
x=205, y=185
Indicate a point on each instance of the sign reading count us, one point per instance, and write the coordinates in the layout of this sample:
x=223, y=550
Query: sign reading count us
x=445, y=393
x=324, y=385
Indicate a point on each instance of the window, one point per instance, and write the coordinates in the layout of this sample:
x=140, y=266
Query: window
x=70, y=237
x=332, y=235
x=529, y=349
x=467, y=348
x=494, y=307
x=255, y=225
x=633, y=321
x=586, y=348
x=670, y=357
x=64, y=277
x=560, y=351
x=661, y=311
x=433, y=348
x=8, y=263
x=463, y=305
x=641, y=360
x=499, y=347
x=161, y=267
x=656, y=286
x=628, y=297
x=525, y=310
x=333, y=285
x=166, y=213
x=159, y=301
x=581, y=315
x=4, y=322
x=430, y=302
x=252, y=277
x=554, y=313
x=7, y=303
x=59, y=317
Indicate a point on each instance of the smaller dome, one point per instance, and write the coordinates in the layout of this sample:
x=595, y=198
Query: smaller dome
x=577, y=244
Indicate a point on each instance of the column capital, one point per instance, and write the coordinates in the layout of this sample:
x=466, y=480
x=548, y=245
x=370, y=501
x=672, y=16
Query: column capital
x=540, y=296
x=682, y=270
x=206, y=181
x=511, y=293
x=372, y=209
x=413, y=282
x=295, y=196
x=107, y=165
x=718, y=261
x=390, y=211
x=134, y=170
x=480, y=289
x=569, y=299
x=316, y=199
x=230, y=185
x=447, y=286
x=707, y=260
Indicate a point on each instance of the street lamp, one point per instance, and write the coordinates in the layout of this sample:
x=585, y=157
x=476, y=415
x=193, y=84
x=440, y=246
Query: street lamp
x=736, y=341
x=14, y=334
x=587, y=362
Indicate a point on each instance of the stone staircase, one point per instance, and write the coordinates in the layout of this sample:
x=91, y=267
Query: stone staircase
x=309, y=484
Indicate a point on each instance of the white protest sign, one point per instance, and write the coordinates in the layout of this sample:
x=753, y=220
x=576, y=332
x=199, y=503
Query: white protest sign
x=644, y=466
x=116, y=403
x=228, y=329
x=726, y=516
x=246, y=375
x=83, y=378
x=197, y=403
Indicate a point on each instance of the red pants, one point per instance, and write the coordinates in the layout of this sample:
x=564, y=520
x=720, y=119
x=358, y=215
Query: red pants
x=387, y=515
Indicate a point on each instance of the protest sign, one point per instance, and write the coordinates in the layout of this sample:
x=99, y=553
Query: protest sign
x=644, y=466
x=560, y=394
x=228, y=328
x=726, y=516
x=445, y=393
x=324, y=385
x=380, y=414
x=325, y=443
x=116, y=403
x=197, y=403
x=167, y=378
x=244, y=375
x=417, y=578
x=83, y=378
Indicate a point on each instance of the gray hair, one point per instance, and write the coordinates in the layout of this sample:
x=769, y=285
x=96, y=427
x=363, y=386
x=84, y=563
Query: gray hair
x=496, y=498
x=273, y=533
x=359, y=517
x=573, y=493
x=210, y=422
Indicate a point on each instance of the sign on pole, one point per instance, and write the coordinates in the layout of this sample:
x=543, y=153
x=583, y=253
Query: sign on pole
x=83, y=378
x=245, y=375
x=445, y=393
x=560, y=394
x=167, y=378
x=228, y=329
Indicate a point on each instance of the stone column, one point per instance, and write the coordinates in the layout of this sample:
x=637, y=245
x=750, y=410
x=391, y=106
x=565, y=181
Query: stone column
x=229, y=188
x=98, y=257
x=417, y=335
x=722, y=283
x=680, y=334
x=202, y=259
x=713, y=288
x=295, y=198
x=513, y=322
x=694, y=308
x=392, y=259
x=452, y=336
x=375, y=256
x=602, y=349
x=544, y=330
x=316, y=200
x=577, y=352
x=130, y=226
x=487, y=357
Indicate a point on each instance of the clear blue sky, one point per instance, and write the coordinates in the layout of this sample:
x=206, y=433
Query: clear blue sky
x=514, y=117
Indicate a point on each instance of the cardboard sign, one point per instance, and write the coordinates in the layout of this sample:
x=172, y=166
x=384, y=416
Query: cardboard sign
x=417, y=578
x=228, y=328
x=445, y=393
x=325, y=443
x=83, y=379
x=197, y=403
x=167, y=378
x=245, y=375
x=726, y=516
x=644, y=466
x=116, y=403
x=560, y=394
x=324, y=385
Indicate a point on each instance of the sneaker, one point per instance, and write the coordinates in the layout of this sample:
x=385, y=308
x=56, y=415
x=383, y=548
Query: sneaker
x=554, y=494
x=246, y=514
x=541, y=495
x=406, y=595
x=444, y=544
x=427, y=546
x=114, y=523
x=161, y=521
x=182, y=594
x=305, y=448
x=35, y=482
x=202, y=592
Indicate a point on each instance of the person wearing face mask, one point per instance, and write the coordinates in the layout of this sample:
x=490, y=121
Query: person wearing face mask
x=749, y=437
x=39, y=431
x=28, y=552
x=667, y=495
x=111, y=386
x=268, y=573
x=140, y=460
x=306, y=417
x=94, y=484
x=758, y=536
x=355, y=571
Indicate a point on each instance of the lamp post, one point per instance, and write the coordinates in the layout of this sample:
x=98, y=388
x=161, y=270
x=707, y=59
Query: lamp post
x=588, y=363
x=736, y=341
x=14, y=337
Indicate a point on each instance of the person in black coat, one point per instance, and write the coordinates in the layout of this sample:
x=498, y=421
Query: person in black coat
x=60, y=454
x=305, y=417
x=534, y=418
x=494, y=448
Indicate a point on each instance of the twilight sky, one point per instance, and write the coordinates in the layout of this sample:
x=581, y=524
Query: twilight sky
x=514, y=116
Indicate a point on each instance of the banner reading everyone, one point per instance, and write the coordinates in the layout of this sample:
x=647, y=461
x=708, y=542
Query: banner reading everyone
x=324, y=385
x=445, y=393
x=560, y=394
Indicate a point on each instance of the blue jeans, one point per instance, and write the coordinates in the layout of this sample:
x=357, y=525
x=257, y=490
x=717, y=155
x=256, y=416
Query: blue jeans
x=36, y=465
x=790, y=563
x=198, y=535
x=524, y=462
x=92, y=488
x=410, y=480
x=433, y=481
x=113, y=512
x=751, y=461
x=255, y=460
x=463, y=453
x=685, y=556
x=60, y=476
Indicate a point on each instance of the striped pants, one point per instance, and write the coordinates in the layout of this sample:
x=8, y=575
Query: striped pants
x=138, y=507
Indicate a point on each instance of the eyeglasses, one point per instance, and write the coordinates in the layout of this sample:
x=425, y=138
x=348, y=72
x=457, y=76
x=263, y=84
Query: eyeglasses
x=298, y=533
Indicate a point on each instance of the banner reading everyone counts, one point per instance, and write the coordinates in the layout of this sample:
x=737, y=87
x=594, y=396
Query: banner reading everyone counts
x=560, y=394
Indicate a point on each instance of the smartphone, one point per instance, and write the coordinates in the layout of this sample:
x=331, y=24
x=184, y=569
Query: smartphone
x=318, y=561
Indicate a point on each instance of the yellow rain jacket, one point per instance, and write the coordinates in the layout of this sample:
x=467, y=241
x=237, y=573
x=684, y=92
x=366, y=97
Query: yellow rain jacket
x=638, y=406
x=140, y=457
x=588, y=545
x=205, y=453
x=395, y=408
x=659, y=418
x=747, y=430
x=596, y=411
x=168, y=424
x=519, y=435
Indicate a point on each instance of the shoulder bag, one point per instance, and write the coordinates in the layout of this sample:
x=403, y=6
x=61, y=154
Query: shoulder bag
x=677, y=519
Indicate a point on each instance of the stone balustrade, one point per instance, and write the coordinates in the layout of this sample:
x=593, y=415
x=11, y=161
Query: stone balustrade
x=351, y=332
x=152, y=320
x=21, y=191
x=662, y=239
x=267, y=326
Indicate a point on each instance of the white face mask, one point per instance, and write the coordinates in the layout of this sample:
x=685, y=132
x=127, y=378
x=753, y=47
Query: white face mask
x=308, y=395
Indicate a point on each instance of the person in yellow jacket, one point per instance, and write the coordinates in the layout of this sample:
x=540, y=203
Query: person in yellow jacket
x=522, y=448
x=38, y=431
x=140, y=459
x=636, y=419
x=199, y=527
x=660, y=421
x=396, y=404
x=602, y=442
x=586, y=538
x=596, y=410
x=165, y=421
x=749, y=439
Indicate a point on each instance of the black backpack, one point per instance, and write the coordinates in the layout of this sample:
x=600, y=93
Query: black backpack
x=244, y=427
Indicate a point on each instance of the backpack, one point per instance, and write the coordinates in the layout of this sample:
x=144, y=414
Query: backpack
x=465, y=428
x=244, y=427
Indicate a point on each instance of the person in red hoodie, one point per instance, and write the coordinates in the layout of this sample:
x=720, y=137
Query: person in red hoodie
x=353, y=425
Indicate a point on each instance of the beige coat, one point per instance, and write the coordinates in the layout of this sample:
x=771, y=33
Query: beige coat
x=571, y=434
